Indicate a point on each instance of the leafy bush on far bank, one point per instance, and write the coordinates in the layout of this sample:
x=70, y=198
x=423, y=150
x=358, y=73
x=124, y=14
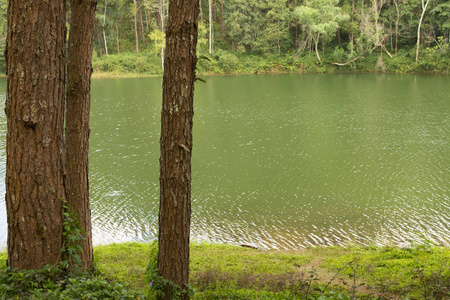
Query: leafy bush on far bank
x=432, y=60
x=125, y=63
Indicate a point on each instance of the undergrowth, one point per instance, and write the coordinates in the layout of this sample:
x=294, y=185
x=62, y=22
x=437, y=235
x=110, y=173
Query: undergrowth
x=227, y=62
x=230, y=272
x=64, y=280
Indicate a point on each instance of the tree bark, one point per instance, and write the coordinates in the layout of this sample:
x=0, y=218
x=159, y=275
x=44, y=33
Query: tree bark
x=176, y=144
x=79, y=70
x=35, y=57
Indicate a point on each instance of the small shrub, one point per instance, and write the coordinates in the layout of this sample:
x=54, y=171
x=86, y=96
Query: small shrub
x=228, y=62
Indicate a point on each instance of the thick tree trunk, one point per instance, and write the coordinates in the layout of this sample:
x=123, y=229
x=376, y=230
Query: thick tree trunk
x=79, y=69
x=35, y=56
x=176, y=143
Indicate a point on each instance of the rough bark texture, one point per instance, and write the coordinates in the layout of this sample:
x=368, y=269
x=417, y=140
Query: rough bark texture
x=34, y=144
x=176, y=143
x=79, y=69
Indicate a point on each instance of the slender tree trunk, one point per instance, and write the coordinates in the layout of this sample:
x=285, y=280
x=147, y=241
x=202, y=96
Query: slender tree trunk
x=147, y=19
x=391, y=37
x=35, y=57
x=136, y=36
x=99, y=39
x=104, y=38
x=222, y=28
x=201, y=11
x=339, y=35
x=210, y=27
x=396, y=37
x=278, y=38
x=103, y=29
x=176, y=144
x=424, y=8
x=79, y=69
x=121, y=25
x=351, y=43
x=430, y=33
x=396, y=26
x=156, y=47
x=323, y=46
x=316, y=44
x=157, y=18
x=142, y=22
x=162, y=12
x=117, y=38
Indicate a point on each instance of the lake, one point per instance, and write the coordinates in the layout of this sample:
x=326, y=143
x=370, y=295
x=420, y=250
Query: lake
x=279, y=161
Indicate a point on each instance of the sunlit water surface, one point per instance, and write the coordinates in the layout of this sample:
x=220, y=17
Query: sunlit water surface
x=281, y=161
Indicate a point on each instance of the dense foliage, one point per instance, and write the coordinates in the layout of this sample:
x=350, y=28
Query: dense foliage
x=252, y=36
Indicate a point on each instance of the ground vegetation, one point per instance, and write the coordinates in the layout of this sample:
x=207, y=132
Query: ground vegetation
x=123, y=271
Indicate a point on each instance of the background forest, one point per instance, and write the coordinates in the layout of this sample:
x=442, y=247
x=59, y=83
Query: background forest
x=252, y=36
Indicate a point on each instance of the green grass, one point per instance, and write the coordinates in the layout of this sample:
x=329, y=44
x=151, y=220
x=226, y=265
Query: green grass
x=124, y=263
x=231, y=272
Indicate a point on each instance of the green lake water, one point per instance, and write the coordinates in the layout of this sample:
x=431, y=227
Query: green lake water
x=283, y=161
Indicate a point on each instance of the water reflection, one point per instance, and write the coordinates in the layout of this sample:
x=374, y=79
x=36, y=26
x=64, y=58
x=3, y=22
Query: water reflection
x=279, y=161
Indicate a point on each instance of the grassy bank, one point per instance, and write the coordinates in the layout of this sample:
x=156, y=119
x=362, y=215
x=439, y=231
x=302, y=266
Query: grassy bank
x=224, y=62
x=231, y=272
